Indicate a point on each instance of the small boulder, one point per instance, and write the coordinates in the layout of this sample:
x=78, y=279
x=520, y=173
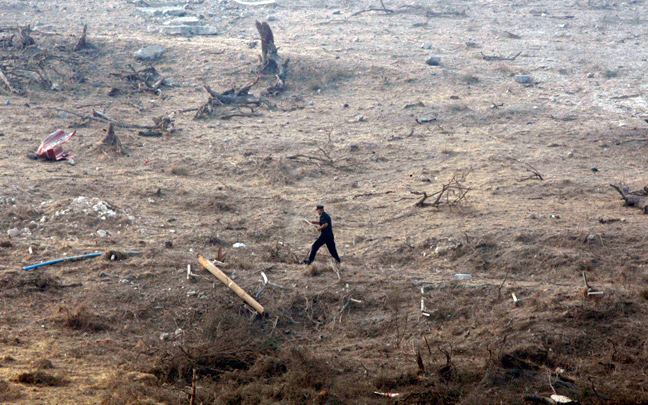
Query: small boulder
x=152, y=52
x=433, y=60
x=523, y=79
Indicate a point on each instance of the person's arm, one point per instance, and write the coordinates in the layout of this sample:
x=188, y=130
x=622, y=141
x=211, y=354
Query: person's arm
x=319, y=228
x=315, y=222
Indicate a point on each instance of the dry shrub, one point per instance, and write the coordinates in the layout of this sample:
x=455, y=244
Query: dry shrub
x=20, y=212
x=309, y=310
x=8, y=392
x=42, y=364
x=13, y=283
x=644, y=293
x=225, y=341
x=137, y=389
x=280, y=253
x=79, y=318
x=418, y=388
x=241, y=262
x=277, y=171
x=178, y=169
x=40, y=378
x=317, y=268
x=292, y=377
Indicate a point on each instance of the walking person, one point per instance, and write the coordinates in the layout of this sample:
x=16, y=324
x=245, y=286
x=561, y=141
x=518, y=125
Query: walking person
x=326, y=236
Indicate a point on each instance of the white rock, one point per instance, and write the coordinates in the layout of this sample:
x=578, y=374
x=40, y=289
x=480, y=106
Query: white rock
x=152, y=52
x=426, y=45
x=13, y=233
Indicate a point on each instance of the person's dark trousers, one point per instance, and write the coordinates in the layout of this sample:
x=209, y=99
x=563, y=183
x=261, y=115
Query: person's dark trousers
x=330, y=244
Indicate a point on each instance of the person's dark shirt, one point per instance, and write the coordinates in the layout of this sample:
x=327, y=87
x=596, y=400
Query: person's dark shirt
x=325, y=219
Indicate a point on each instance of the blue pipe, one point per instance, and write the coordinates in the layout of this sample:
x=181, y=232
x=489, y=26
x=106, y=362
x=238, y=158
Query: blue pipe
x=71, y=259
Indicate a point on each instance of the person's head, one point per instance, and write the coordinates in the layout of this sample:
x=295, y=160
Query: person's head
x=320, y=209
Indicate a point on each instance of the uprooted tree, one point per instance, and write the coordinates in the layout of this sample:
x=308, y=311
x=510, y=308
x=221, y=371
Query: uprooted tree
x=270, y=63
x=633, y=198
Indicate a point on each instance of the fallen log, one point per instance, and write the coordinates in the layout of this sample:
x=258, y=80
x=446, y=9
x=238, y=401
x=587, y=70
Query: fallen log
x=231, y=284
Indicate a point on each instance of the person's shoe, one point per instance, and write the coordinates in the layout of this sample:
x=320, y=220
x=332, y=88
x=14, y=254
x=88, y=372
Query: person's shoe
x=306, y=261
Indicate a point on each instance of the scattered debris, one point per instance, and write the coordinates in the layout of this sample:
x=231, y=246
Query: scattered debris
x=535, y=174
x=349, y=301
x=101, y=117
x=231, y=284
x=463, y=276
x=51, y=149
x=15, y=232
x=387, y=394
x=493, y=58
x=255, y=3
x=266, y=282
x=589, y=291
x=610, y=220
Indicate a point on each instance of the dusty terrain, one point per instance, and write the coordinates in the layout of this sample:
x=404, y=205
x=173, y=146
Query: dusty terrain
x=361, y=123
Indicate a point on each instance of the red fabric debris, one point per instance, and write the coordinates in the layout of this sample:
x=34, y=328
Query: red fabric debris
x=51, y=148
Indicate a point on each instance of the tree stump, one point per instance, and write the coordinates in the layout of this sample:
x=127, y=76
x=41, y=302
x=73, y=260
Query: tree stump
x=271, y=62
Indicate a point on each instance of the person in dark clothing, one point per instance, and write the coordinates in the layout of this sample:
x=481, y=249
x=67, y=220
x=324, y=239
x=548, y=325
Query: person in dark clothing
x=326, y=236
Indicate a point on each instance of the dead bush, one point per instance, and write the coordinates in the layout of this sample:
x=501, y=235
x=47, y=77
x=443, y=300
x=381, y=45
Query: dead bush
x=42, y=364
x=130, y=389
x=40, y=378
x=78, y=318
x=280, y=253
x=225, y=341
x=644, y=293
x=16, y=283
x=178, y=169
x=317, y=268
x=292, y=377
x=8, y=392
x=20, y=212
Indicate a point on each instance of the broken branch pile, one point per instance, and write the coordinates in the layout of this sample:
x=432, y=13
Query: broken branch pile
x=231, y=98
x=451, y=194
x=143, y=80
x=23, y=63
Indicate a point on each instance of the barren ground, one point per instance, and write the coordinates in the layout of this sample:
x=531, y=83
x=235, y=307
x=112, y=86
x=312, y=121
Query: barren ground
x=357, y=94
